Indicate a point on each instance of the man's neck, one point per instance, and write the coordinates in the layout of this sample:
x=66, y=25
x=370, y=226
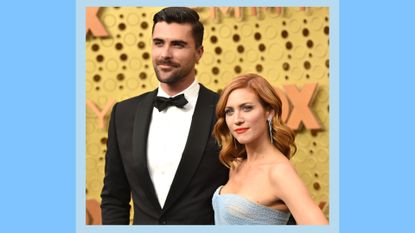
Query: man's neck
x=174, y=89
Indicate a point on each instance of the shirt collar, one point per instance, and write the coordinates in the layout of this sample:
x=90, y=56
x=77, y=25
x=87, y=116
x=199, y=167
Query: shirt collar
x=190, y=93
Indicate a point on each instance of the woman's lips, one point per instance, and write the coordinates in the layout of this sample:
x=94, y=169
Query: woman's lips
x=241, y=130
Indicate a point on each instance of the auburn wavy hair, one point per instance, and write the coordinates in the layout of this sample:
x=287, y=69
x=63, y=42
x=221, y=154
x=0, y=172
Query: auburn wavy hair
x=231, y=149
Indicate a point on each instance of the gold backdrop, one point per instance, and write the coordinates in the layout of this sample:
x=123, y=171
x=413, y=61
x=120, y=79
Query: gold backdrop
x=285, y=45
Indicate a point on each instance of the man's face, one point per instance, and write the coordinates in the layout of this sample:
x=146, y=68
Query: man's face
x=174, y=53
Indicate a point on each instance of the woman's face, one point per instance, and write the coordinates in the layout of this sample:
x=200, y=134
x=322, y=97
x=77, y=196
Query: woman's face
x=245, y=116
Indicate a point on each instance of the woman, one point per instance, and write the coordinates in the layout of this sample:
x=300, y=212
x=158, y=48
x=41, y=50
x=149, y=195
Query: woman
x=263, y=187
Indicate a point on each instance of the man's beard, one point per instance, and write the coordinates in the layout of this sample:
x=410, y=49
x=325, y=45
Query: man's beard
x=178, y=74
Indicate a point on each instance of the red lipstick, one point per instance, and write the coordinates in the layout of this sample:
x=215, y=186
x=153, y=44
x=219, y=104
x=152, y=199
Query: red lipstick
x=241, y=130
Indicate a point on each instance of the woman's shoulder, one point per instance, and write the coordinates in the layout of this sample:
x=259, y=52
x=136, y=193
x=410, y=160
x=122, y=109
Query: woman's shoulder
x=281, y=172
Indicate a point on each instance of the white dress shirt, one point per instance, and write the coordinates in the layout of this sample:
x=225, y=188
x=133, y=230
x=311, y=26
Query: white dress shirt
x=167, y=138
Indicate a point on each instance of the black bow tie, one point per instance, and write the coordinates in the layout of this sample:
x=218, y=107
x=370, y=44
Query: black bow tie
x=162, y=103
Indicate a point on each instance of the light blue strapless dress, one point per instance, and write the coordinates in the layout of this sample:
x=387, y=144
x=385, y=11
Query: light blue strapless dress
x=231, y=209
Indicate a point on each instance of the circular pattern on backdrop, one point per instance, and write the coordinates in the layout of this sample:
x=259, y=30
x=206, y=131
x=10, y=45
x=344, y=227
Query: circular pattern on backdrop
x=229, y=57
x=107, y=42
x=89, y=128
x=318, y=72
x=95, y=185
x=322, y=116
x=310, y=162
x=130, y=39
x=109, y=85
x=296, y=73
x=205, y=78
x=294, y=25
x=273, y=75
x=90, y=164
x=95, y=47
x=225, y=31
x=251, y=55
x=271, y=32
x=322, y=95
x=325, y=176
x=208, y=58
x=246, y=30
x=213, y=39
x=324, y=139
x=226, y=75
x=133, y=19
x=92, y=149
x=275, y=51
x=102, y=100
x=320, y=50
x=135, y=63
x=302, y=141
x=322, y=155
x=90, y=66
x=109, y=21
x=299, y=52
x=111, y=65
x=88, y=86
x=237, y=69
x=316, y=23
x=206, y=35
x=306, y=177
x=132, y=83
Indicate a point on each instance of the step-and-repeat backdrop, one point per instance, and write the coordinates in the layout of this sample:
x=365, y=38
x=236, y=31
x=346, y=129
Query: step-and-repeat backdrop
x=289, y=46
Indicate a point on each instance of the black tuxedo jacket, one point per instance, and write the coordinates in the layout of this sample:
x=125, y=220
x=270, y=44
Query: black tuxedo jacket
x=126, y=174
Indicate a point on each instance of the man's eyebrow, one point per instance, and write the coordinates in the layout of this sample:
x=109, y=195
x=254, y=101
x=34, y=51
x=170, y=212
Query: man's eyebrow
x=181, y=42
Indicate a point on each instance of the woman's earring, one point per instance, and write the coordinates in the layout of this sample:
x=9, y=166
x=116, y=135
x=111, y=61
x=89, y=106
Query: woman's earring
x=270, y=130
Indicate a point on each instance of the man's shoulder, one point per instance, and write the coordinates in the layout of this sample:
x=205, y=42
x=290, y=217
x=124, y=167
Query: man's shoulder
x=136, y=99
x=206, y=91
x=129, y=106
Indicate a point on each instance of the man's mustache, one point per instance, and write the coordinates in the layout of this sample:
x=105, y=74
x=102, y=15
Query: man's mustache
x=167, y=62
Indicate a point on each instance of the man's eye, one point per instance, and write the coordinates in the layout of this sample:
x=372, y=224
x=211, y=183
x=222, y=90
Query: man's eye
x=180, y=46
x=158, y=43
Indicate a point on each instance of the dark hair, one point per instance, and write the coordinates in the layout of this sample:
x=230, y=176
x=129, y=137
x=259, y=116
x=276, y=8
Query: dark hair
x=181, y=15
x=283, y=137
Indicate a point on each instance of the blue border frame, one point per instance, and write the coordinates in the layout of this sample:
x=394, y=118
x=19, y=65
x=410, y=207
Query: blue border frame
x=333, y=227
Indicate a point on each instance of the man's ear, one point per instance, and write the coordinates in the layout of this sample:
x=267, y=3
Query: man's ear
x=199, y=53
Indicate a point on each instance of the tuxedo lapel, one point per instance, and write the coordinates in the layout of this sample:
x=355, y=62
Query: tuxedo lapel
x=199, y=134
x=140, y=134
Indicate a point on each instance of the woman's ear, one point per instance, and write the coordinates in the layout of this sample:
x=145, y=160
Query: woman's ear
x=270, y=114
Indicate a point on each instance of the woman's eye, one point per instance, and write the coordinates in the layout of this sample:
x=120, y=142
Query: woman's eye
x=247, y=108
x=228, y=112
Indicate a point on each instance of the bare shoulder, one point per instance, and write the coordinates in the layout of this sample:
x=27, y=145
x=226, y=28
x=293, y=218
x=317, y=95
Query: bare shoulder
x=280, y=170
x=283, y=176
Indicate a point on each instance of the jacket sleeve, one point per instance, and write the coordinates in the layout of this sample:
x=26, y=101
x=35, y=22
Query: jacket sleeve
x=116, y=193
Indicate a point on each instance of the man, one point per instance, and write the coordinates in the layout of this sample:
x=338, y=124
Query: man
x=160, y=149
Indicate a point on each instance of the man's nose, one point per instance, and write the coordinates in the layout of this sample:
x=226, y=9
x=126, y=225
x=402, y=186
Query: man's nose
x=165, y=52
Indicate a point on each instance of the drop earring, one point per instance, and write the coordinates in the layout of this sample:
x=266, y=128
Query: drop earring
x=270, y=130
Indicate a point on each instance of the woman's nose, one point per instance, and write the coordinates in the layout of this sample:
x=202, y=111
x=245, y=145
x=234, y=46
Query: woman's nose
x=238, y=120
